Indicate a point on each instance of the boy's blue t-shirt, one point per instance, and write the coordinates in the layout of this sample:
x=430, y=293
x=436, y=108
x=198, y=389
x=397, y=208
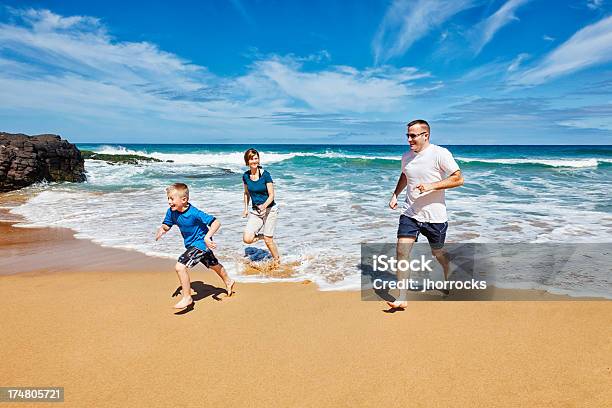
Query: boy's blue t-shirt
x=258, y=189
x=193, y=224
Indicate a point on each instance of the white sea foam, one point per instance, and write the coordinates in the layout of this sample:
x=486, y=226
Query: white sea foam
x=236, y=158
x=118, y=149
x=229, y=159
x=233, y=159
x=580, y=163
x=338, y=155
x=129, y=219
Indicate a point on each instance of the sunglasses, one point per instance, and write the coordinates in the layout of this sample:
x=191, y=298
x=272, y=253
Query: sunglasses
x=413, y=136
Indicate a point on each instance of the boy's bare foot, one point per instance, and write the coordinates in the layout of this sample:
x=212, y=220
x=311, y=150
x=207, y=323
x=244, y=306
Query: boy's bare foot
x=229, y=288
x=398, y=304
x=183, y=303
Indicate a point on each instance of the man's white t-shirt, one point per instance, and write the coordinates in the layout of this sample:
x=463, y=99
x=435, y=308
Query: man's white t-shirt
x=432, y=164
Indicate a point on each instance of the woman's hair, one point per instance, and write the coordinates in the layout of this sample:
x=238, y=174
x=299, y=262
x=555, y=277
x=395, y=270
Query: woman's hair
x=248, y=155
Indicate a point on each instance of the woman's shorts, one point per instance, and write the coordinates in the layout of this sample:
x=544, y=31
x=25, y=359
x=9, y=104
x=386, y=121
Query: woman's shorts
x=266, y=221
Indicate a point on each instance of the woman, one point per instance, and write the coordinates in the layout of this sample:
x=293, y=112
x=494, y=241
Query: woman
x=259, y=189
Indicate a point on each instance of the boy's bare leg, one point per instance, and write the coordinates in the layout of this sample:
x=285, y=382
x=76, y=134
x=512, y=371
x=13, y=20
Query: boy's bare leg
x=229, y=283
x=183, y=275
x=404, y=247
x=273, y=249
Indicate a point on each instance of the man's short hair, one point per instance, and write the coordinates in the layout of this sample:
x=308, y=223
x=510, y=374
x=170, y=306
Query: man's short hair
x=419, y=122
x=180, y=188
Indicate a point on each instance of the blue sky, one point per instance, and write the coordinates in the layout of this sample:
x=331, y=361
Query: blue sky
x=237, y=71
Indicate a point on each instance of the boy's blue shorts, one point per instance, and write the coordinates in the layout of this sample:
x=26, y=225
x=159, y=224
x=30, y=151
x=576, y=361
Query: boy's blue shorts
x=435, y=232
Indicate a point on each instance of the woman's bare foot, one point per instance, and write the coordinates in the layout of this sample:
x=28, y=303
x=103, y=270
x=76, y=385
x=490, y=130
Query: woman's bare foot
x=184, y=302
x=398, y=304
x=229, y=287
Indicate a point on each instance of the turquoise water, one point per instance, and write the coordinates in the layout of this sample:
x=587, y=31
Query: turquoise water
x=331, y=198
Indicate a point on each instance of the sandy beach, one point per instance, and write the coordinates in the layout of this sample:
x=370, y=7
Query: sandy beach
x=335, y=156
x=99, y=323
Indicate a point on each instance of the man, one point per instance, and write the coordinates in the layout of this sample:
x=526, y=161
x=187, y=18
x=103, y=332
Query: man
x=427, y=170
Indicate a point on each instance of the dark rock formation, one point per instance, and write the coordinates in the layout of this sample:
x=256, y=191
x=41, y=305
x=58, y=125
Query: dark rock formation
x=119, y=158
x=24, y=160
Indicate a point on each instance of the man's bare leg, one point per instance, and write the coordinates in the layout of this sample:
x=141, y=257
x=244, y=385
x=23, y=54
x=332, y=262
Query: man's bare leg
x=404, y=247
x=442, y=257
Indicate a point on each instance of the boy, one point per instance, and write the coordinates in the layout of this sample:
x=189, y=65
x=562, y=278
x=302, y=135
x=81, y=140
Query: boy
x=197, y=229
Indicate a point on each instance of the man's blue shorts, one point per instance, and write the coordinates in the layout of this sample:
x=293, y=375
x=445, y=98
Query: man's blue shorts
x=435, y=232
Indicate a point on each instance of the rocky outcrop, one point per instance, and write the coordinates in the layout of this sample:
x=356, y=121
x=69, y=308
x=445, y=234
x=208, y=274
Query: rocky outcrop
x=25, y=160
x=120, y=158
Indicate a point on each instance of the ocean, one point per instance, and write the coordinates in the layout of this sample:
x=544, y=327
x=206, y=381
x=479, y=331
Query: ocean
x=332, y=198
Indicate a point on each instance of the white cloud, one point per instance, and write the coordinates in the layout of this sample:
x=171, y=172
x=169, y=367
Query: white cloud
x=485, y=30
x=406, y=21
x=70, y=67
x=339, y=88
x=490, y=71
x=80, y=45
x=517, y=62
x=588, y=123
x=590, y=46
x=594, y=4
x=548, y=38
x=46, y=21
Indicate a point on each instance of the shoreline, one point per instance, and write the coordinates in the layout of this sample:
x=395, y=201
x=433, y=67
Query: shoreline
x=110, y=259
x=39, y=243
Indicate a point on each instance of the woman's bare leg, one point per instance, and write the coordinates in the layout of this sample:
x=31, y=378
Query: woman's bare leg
x=273, y=248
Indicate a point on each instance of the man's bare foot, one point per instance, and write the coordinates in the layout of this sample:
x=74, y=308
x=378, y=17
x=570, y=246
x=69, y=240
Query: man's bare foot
x=229, y=288
x=183, y=303
x=398, y=304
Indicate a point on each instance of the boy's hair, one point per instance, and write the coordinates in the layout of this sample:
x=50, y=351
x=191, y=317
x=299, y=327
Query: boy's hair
x=180, y=188
x=249, y=154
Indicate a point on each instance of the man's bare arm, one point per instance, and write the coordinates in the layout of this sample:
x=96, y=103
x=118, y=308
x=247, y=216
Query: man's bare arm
x=454, y=180
x=402, y=182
